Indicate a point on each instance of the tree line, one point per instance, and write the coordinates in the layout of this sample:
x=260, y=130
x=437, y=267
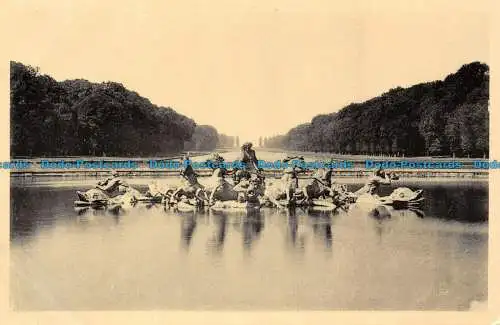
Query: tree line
x=206, y=137
x=440, y=118
x=80, y=118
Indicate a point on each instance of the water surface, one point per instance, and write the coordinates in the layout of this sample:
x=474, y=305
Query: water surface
x=147, y=258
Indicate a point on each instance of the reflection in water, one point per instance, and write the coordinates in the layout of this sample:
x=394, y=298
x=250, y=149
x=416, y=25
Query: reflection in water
x=461, y=201
x=81, y=211
x=26, y=213
x=188, y=226
x=252, y=226
x=249, y=224
x=419, y=213
x=379, y=230
x=296, y=234
x=86, y=216
x=383, y=220
x=322, y=225
x=216, y=241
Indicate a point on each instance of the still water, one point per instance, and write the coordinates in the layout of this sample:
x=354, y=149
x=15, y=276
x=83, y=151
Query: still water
x=148, y=258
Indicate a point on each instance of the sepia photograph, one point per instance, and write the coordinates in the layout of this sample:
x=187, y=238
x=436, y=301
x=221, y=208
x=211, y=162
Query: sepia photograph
x=267, y=156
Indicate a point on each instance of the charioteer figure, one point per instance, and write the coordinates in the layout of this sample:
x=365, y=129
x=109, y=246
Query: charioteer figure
x=249, y=159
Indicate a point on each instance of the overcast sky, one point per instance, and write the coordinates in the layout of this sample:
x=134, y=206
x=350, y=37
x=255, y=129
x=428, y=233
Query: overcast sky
x=250, y=67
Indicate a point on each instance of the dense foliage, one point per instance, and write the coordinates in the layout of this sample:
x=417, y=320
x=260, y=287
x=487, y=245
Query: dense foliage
x=448, y=117
x=77, y=117
x=205, y=137
x=226, y=141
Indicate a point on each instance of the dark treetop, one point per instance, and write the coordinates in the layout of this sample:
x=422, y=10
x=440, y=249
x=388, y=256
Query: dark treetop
x=435, y=118
x=77, y=117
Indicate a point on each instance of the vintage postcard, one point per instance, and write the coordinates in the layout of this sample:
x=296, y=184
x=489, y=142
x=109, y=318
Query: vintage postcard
x=250, y=161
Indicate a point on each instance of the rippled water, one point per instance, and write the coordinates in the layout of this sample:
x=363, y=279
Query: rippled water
x=148, y=258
